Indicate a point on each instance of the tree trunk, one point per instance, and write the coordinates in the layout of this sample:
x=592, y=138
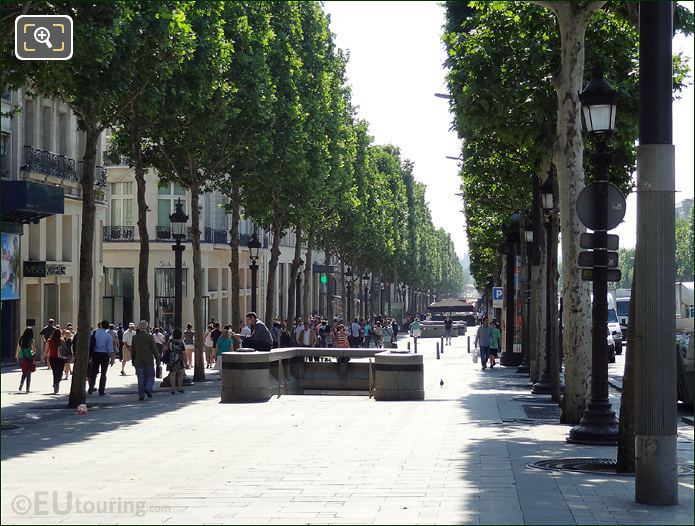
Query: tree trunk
x=198, y=292
x=329, y=288
x=343, y=291
x=272, y=270
x=568, y=158
x=234, y=261
x=308, y=275
x=294, y=270
x=556, y=393
x=626, y=431
x=84, y=309
x=144, y=256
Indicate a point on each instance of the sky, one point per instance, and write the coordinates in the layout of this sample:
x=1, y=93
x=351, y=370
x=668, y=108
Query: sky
x=395, y=68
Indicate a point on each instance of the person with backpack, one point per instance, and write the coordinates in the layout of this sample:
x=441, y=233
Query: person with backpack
x=174, y=361
x=53, y=354
x=26, y=350
x=495, y=337
x=67, y=352
x=378, y=333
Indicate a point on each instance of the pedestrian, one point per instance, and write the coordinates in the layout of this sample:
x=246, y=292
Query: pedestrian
x=175, y=364
x=127, y=347
x=260, y=339
x=215, y=335
x=47, y=331
x=448, y=324
x=378, y=332
x=228, y=342
x=119, y=333
x=189, y=342
x=159, y=339
x=276, y=332
x=67, y=352
x=415, y=330
x=144, y=354
x=355, y=330
x=103, y=354
x=341, y=338
x=495, y=337
x=298, y=328
x=368, y=334
x=53, y=355
x=483, y=337
x=307, y=337
x=26, y=350
x=330, y=336
x=207, y=343
x=285, y=336
x=116, y=343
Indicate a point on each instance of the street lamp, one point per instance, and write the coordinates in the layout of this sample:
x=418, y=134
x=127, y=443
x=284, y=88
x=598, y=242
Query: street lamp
x=381, y=301
x=365, y=284
x=508, y=356
x=254, y=246
x=599, y=424
x=348, y=277
x=178, y=229
x=528, y=228
x=298, y=290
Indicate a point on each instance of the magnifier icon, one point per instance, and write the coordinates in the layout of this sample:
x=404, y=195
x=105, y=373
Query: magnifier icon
x=42, y=36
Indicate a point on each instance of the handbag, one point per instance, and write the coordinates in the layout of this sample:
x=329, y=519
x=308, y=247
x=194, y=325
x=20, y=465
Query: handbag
x=158, y=371
x=474, y=354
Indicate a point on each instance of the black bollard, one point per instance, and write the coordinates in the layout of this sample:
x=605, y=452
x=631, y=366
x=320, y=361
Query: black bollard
x=408, y=346
x=441, y=344
x=468, y=342
x=415, y=340
x=437, y=344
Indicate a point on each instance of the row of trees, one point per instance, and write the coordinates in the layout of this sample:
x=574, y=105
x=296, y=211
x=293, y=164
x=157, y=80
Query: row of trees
x=515, y=71
x=250, y=99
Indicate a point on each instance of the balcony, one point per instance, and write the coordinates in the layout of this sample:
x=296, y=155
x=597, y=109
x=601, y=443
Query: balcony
x=245, y=238
x=100, y=176
x=49, y=163
x=221, y=237
x=119, y=233
x=165, y=233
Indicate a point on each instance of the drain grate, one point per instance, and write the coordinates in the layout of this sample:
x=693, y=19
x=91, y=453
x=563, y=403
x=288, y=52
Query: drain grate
x=542, y=412
x=604, y=466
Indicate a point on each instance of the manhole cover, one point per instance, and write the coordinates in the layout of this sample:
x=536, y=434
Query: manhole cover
x=604, y=466
x=542, y=412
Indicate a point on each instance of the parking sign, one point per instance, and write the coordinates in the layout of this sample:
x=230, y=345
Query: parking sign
x=497, y=298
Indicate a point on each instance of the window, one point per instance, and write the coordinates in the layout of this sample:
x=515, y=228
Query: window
x=46, y=125
x=122, y=204
x=164, y=282
x=63, y=133
x=169, y=194
x=5, y=154
x=28, y=122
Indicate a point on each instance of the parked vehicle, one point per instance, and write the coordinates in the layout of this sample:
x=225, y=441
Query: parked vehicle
x=611, y=347
x=685, y=356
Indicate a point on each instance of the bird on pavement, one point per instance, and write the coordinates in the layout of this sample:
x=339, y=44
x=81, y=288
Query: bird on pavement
x=441, y=383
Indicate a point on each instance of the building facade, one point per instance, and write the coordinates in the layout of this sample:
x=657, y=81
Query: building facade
x=42, y=204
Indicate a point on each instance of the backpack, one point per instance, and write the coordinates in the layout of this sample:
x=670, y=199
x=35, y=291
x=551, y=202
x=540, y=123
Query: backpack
x=176, y=348
x=92, y=342
x=64, y=351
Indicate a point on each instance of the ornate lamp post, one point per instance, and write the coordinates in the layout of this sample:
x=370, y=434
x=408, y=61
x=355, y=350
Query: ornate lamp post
x=254, y=246
x=298, y=290
x=348, y=285
x=365, y=284
x=524, y=366
x=381, y=300
x=599, y=424
x=178, y=229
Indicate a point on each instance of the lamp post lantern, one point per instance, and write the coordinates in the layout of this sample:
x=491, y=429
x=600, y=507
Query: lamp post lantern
x=178, y=229
x=348, y=286
x=254, y=246
x=599, y=424
x=365, y=285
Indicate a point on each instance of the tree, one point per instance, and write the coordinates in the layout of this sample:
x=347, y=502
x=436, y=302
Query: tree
x=107, y=53
x=685, y=230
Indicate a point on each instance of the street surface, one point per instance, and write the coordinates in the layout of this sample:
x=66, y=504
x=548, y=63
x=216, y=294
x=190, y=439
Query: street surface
x=460, y=456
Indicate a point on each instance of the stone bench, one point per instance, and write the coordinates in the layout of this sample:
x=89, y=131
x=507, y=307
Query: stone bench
x=253, y=376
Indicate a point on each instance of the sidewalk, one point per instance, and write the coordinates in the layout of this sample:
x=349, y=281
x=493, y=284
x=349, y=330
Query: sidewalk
x=459, y=457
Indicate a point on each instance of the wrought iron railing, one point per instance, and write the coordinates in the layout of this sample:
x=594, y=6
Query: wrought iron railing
x=165, y=233
x=119, y=233
x=221, y=237
x=49, y=163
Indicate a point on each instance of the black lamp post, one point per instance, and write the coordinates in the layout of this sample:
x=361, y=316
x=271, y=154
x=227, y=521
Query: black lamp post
x=254, y=246
x=365, y=284
x=178, y=229
x=298, y=290
x=508, y=356
x=544, y=384
x=525, y=365
x=599, y=424
x=348, y=278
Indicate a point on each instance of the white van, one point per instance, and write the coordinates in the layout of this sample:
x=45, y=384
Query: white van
x=614, y=323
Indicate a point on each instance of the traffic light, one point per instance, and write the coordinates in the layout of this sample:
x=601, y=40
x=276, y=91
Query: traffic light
x=324, y=279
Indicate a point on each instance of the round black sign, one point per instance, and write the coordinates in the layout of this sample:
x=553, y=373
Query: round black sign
x=616, y=206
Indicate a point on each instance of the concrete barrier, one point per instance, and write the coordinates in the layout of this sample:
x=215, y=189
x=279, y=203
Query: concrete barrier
x=399, y=376
x=254, y=376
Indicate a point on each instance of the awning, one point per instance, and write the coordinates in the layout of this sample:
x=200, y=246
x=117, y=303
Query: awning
x=29, y=201
x=451, y=305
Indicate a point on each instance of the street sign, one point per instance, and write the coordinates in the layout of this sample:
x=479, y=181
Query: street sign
x=497, y=298
x=612, y=274
x=586, y=240
x=586, y=259
x=616, y=205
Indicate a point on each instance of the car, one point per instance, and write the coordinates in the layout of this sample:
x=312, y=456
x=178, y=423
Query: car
x=611, y=347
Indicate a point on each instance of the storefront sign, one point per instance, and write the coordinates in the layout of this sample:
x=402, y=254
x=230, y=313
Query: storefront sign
x=56, y=270
x=10, y=266
x=34, y=269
